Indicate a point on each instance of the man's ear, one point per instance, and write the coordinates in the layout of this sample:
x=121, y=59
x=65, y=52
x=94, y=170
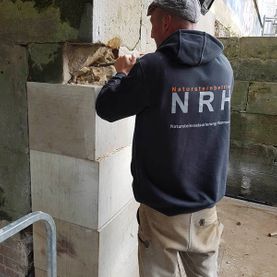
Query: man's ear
x=166, y=22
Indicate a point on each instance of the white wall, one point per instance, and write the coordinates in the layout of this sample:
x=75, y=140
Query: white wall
x=267, y=7
x=128, y=20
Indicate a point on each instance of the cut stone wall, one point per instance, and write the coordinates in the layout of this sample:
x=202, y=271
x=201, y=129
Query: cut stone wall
x=24, y=23
x=32, y=35
x=80, y=171
x=253, y=161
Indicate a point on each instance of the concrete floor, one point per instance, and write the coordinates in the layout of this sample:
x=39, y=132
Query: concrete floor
x=246, y=249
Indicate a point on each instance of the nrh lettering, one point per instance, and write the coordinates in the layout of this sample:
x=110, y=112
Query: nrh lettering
x=205, y=100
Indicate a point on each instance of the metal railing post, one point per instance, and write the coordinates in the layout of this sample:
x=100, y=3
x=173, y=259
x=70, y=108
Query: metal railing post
x=27, y=220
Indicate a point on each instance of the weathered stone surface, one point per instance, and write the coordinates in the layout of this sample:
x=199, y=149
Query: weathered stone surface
x=62, y=120
x=238, y=126
x=262, y=98
x=77, y=249
x=256, y=153
x=231, y=47
x=15, y=184
x=14, y=160
x=253, y=153
x=13, y=103
x=122, y=19
x=258, y=47
x=23, y=22
x=252, y=185
x=72, y=12
x=80, y=191
x=239, y=96
x=253, y=172
x=257, y=70
x=82, y=252
x=235, y=66
x=46, y=63
x=254, y=128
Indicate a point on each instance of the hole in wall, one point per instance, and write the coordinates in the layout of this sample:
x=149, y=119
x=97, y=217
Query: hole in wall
x=91, y=64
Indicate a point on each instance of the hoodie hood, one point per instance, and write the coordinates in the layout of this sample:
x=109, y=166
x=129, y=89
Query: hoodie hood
x=191, y=47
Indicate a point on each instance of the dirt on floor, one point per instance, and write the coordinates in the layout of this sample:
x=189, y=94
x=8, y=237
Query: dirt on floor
x=246, y=247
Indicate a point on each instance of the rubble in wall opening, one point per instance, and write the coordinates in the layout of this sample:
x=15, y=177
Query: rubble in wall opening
x=92, y=64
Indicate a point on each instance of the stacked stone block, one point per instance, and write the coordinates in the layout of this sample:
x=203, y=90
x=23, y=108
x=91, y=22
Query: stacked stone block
x=80, y=174
x=32, y=38
x=253, y=161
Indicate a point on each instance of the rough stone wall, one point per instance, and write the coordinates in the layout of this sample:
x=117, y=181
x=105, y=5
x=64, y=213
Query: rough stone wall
x=14, y=161
x=253, y=161
x=30, y=35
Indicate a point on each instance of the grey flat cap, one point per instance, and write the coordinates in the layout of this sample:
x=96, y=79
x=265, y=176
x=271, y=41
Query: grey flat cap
x=187, y=9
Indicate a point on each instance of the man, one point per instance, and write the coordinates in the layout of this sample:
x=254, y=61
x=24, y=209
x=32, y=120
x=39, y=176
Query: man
x=181, y=98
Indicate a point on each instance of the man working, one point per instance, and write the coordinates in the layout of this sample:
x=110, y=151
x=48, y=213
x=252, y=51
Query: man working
x=181, y=98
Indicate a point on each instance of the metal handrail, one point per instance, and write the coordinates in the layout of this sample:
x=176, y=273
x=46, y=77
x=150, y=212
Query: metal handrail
x=27, y=220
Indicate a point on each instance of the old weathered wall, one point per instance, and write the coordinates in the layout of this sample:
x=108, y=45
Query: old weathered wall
x=14, y=161
x=125, y=19
x=253, y=161
x=30, y=33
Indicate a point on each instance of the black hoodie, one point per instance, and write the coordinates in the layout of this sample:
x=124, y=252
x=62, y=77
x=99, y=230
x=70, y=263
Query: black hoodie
x=181, y=98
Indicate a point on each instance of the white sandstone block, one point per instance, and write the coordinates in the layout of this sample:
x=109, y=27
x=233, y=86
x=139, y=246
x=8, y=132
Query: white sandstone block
x=63, y=120
x=79, y=191
x=108, y=252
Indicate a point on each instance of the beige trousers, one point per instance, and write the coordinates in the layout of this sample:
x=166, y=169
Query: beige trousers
x=192, y=239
